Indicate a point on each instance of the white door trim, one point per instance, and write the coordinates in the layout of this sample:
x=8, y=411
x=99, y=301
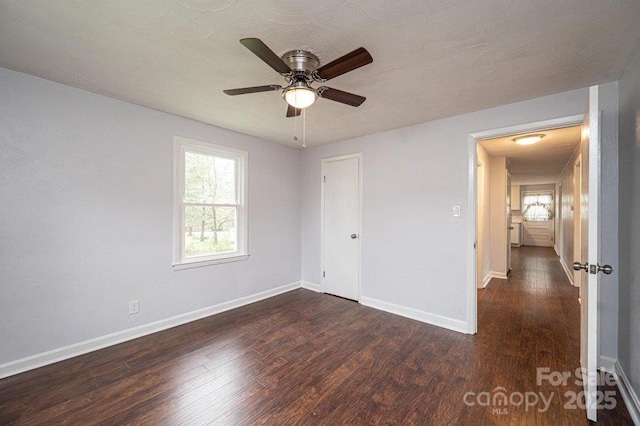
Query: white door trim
x=479, y=242
x=577, y=221
x=323, y=163
x=556, y=123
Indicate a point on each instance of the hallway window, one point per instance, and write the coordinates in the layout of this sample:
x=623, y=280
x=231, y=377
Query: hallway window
x=537, y=206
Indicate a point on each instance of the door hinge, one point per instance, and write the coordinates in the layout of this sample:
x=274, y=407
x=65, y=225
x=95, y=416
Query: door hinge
x=324, y=274
x=324, y=179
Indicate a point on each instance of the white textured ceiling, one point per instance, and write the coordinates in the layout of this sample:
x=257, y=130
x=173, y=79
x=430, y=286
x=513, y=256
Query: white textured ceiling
x=432, y=59
x=537, y=163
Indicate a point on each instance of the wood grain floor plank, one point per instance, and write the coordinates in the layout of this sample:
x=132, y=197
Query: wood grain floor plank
x=308, y=358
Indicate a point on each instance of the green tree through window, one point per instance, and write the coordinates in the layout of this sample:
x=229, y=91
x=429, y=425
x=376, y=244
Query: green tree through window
x=211, y=201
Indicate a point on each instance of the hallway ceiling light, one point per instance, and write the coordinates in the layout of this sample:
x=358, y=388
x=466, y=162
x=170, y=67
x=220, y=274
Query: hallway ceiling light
x=528, y=140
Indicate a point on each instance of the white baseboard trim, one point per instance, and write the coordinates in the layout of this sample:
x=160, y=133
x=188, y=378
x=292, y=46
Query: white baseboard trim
x=426, y=317
x=555, y=247
x=499, y=275
x=628, y=394
x=567, y=271
x=66, y=352
x=311, y=286
x=486, y=280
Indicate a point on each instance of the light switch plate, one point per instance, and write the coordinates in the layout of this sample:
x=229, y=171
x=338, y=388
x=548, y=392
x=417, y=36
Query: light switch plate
x=456, y=211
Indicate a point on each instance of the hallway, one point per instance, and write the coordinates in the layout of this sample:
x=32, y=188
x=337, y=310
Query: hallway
x=532, y=320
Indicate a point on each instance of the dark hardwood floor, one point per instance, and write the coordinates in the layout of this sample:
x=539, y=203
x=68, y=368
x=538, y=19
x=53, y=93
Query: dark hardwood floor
x=307, y=358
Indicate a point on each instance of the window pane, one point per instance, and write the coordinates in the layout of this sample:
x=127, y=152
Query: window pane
x=209, y=179
x=537, y=207
x=537, y=213
x=537, y=198
x=209, y=230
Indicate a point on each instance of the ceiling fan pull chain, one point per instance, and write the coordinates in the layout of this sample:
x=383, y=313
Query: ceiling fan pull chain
x=295, y=128
x=304, y=128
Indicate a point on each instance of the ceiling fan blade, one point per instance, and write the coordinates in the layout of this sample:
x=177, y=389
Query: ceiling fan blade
x=256, y=89
x=349, y=62
x=293, y=111
x=340, y=96
x=261, y=50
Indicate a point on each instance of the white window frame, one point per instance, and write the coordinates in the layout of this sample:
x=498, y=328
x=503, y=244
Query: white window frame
x=181, y=146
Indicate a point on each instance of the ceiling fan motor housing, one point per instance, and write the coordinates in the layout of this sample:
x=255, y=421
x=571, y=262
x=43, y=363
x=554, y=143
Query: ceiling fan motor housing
x=301, y=61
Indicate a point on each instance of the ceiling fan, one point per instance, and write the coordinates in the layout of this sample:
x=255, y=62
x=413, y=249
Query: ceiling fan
x=300, y=69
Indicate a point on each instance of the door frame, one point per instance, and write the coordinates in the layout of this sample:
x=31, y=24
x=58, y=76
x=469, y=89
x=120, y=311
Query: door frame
x=472, y=220
x=577, y=220
x=323, y=163
x=509, y=217
x=480, y=237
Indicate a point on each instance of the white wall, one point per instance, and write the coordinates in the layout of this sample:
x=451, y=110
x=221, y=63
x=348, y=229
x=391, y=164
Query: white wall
x=86, y=217
x=86, y=196
x=500, y=235
x=537, y=187
x=568, y=207
x=484, y=215
x=415, y=175
x=557, y=217
x=533, y=179
x=629, y=223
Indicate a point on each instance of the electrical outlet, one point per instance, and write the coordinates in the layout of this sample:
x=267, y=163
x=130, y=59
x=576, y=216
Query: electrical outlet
x=134, y=307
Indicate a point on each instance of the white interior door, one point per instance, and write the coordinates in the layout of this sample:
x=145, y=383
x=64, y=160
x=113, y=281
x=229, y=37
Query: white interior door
x=590, y=230
x=341, y=226
x=538, y=232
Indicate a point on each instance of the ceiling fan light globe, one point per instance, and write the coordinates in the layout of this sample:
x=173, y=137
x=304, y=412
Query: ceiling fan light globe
x=300, y=97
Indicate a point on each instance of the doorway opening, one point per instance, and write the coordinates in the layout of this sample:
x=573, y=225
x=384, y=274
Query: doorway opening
x=499, y=191
x=520, y=202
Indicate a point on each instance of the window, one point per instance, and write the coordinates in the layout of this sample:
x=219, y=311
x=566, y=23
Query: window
x=537, y=206
x=210, y=204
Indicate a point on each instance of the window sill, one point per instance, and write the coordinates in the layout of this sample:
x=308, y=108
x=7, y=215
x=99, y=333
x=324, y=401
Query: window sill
x=210, y=262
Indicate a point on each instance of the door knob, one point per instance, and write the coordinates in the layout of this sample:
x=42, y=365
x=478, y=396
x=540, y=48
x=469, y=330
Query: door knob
x=606, y=269
x=354, y=236
x=577, y=266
